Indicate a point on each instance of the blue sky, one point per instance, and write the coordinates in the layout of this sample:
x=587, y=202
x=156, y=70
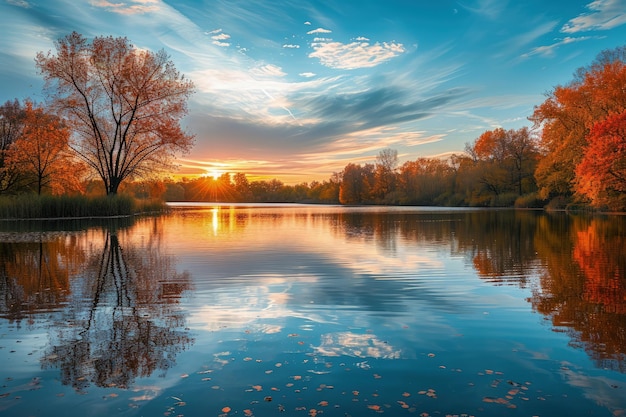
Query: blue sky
x=295, y=90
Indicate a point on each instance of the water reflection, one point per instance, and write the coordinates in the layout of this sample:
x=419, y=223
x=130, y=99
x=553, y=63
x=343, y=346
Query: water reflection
x=394, y=263
x=35, y=274
x=583, y=288
x=301, y=286
x=114, y=294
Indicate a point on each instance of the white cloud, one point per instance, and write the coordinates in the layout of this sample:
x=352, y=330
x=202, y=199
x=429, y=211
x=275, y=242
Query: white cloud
x=129, y=7
x=307, y=74
x=221, y=37
x=290, y=46
x=604, y=15
x=307, y=23
x=355, y=54
x=318, y=30
x=268, y=70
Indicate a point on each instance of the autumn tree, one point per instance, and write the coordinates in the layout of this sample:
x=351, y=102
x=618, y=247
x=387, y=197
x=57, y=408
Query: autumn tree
x=41, y=152
x=500, y=162
x=425, y=181
x=356, y=184
x=11, y=125
x=601, y=175
x=385, y=174
x=123, y=103
x=568, y=115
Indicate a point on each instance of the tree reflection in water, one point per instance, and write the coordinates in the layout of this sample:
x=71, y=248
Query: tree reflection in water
x=575, y=266
x=122, y=319
x=583, y=290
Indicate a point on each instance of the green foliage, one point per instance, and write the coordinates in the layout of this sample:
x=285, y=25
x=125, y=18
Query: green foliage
x=30, y=206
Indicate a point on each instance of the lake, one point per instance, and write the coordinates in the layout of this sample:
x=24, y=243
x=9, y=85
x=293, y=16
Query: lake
x=254, y=310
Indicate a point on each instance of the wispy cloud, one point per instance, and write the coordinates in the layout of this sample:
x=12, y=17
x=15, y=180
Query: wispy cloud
x=129, y=7
x=491, y=9
x=603, y=15
x=291, y=46
x=268, y=70
x=20, y=3
x=355, y=54
x=549, y=50
x=318, y=30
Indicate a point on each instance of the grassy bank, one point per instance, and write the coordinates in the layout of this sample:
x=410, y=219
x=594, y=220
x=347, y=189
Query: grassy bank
x=45, y=207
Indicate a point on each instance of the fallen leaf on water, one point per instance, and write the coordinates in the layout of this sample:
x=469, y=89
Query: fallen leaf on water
x=226, y=410
x=374, y=407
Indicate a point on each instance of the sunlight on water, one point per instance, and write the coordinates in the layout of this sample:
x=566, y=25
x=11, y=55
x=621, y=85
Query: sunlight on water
x=225, y=310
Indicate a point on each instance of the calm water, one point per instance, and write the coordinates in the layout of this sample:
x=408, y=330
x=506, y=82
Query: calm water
x=334, y=311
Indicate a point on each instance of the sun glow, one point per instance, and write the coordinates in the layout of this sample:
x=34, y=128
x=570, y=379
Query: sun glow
x=213, y=173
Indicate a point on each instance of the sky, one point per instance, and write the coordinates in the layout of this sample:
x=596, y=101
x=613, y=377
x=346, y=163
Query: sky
x=295, y=90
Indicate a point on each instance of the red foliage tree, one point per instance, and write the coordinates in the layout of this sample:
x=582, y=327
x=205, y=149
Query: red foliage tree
x=601, y=175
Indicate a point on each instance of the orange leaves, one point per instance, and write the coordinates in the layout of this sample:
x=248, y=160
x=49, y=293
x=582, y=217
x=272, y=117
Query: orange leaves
x=42, y=149
x=568, y=116
x=601, y=175
x=130, y=121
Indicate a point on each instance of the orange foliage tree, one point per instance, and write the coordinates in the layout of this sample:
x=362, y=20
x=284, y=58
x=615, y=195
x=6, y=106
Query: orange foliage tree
x=501, y=161
x=41, y=151
x=601, y=175
x=124, y=104
x=568, y=115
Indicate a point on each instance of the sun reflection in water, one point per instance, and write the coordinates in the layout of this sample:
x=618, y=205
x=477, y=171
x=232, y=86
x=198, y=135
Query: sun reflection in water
x=215, y=220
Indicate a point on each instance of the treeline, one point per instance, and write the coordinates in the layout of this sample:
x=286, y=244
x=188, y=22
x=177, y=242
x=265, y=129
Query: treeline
x=497, y=170
x=573, y=155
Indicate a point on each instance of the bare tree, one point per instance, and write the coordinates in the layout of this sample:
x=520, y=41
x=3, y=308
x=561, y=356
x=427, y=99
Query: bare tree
x=123, y=103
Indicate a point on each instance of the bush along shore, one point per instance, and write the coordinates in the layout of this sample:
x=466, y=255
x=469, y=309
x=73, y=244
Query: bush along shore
x=50, y=207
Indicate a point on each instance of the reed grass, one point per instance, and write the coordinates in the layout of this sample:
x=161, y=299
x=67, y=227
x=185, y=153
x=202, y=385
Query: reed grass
x=78, y=206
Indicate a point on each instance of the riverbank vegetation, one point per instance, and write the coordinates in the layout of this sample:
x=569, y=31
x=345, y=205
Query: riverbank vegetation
x=32, y=206
x=572, y=156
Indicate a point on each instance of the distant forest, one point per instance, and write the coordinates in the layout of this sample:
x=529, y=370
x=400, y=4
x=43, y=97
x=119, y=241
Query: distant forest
x=572, y=156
